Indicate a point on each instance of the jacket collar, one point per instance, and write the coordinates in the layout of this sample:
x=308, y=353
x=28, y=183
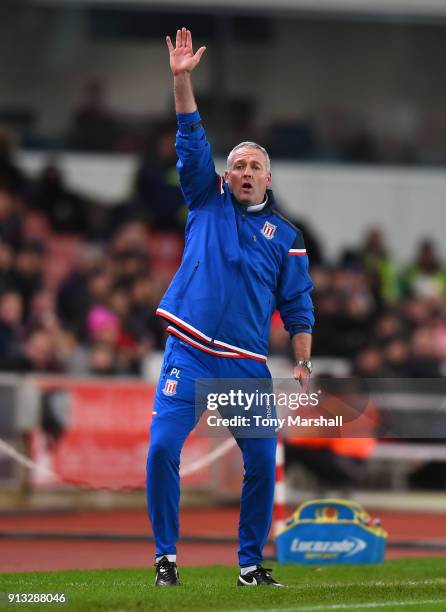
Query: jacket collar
x=266, y=210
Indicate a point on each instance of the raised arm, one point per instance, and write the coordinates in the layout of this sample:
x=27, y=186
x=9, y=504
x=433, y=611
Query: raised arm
x=195, y=165
x=182, y=62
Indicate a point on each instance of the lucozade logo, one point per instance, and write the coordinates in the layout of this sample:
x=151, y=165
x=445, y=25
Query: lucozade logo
x=346, y=547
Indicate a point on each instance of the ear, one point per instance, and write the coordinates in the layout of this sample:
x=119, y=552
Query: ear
x=269, y=180
x=226, y=175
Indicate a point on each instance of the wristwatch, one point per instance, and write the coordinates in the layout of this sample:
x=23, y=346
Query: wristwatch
x=306, y=363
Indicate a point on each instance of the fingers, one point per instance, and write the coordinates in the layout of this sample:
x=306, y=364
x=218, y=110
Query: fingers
x=305, y=385
x=184, y=39
x=199, y=54
x=303, y=377
x=169, y=44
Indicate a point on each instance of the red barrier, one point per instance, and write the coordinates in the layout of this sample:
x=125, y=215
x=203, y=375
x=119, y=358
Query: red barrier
x=105, y=436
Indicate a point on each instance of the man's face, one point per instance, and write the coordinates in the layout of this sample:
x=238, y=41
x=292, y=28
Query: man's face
x=247, y=176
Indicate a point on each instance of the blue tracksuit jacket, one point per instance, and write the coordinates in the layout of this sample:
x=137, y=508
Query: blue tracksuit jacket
x=237, y=266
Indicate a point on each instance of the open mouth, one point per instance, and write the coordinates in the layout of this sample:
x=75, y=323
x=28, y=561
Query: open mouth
x=246, y=186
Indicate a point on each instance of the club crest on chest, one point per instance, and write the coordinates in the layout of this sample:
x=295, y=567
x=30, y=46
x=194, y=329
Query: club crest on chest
x=268, y=230
x=170, y=387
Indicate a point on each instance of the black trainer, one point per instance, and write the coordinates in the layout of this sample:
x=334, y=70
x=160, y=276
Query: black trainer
x=166, y=573
x=259, y=577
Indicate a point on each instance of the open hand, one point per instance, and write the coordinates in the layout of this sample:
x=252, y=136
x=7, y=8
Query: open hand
x=182, y=57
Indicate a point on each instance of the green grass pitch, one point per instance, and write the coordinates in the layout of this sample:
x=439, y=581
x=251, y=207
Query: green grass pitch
x=413, y=584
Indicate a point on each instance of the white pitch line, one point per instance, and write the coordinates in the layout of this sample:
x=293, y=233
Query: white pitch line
x=202, y=462
x=370, y=605
x=376, y=583
x=219, y=451
x=367, y=583
x=10, y=451
x=356, y=606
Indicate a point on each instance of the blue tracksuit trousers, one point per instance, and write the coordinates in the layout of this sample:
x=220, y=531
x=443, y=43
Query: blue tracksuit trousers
x=174, y=420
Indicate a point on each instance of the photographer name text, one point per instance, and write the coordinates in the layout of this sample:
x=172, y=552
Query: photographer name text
x=277, y=423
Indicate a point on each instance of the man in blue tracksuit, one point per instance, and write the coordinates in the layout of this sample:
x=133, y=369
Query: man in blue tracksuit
x=241, y=261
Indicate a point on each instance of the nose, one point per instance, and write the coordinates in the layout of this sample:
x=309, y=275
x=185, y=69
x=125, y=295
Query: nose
x=247, y=173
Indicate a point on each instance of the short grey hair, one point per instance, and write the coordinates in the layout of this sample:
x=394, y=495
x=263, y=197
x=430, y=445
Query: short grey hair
x=249, y=145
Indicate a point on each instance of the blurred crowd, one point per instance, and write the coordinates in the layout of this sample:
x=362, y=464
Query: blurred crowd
x=387, y=321
x=79, y=281
x=99, y=319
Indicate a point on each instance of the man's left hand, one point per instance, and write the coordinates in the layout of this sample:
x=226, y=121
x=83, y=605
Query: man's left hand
x=302, y=374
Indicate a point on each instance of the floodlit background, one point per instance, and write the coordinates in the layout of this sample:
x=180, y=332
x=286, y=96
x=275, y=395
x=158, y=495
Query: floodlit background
x=349, y=97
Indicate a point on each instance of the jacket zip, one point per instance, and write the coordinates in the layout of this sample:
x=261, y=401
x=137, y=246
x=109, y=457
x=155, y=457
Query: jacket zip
x=237, y=272
x=186, y=287
x=225, y=307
